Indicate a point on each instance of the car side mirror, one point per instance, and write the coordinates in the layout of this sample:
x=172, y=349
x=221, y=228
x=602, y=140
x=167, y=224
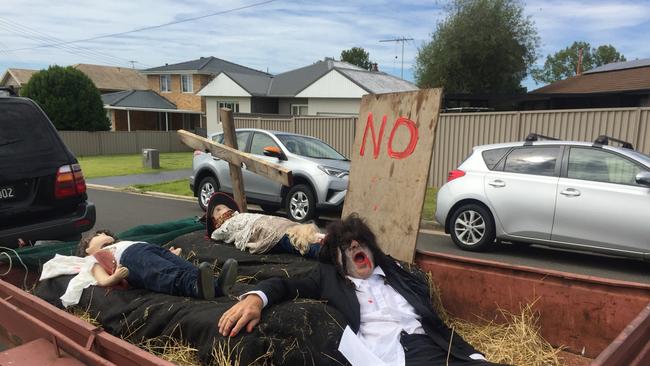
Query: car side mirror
x=274, y=151
x=643, y=178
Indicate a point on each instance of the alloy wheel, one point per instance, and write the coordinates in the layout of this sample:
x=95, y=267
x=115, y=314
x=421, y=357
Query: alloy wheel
x=207, y=190
x=469, y=227
x=299, y=205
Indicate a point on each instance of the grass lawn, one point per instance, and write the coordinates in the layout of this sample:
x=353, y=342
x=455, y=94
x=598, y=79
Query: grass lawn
x=180, y=187
x=112, y=165
x=429, y=209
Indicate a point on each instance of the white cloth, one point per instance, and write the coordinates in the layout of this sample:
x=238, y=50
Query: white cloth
x=67, y=265
x=118, y=249
x=238, y=230
x=82, y=267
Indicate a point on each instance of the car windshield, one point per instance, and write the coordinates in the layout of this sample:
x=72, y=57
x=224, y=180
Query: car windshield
x=309, y=147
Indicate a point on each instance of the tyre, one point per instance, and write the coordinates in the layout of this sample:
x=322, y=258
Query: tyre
x=300, y=203
x=207, y=188
x=269, y=209
x=472, y=228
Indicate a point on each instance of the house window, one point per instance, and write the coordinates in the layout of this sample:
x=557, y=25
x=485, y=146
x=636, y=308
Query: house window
x=186, y=83
x=234, y=106
x=165, y=83
x=299, y=109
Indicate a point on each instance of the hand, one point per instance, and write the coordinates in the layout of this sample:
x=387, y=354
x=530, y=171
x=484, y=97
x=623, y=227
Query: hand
x=121, y=272
x=246, y=313
x=175, y=250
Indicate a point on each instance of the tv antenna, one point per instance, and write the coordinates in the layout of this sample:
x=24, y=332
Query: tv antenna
x=402, y=39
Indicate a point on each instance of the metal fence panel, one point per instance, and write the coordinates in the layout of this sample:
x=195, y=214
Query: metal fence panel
x=456, y=135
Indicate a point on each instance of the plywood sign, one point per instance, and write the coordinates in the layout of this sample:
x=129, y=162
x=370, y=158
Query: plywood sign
x=392, y=152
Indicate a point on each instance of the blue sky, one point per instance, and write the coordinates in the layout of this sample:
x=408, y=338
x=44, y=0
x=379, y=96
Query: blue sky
x=283, y=34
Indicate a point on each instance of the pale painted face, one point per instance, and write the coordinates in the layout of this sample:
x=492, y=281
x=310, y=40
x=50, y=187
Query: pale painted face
x=219, y=210
x=359, y=261
x=98, y=242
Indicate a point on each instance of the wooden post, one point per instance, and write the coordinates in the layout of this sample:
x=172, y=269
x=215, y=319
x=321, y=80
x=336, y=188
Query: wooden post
x=254, y=164
x=230, y=139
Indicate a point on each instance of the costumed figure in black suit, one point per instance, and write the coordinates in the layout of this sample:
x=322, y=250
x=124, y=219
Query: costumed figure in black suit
x=387, y=307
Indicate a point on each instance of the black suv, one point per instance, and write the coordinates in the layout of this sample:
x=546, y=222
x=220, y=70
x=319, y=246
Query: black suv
x=42, y=189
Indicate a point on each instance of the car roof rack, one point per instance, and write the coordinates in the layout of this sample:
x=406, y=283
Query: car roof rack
x=604, y=140
x=532, y=137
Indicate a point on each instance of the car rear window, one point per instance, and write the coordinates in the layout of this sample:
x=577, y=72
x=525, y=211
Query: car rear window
x=533, y=160
x=29, y=145
x=493, y=156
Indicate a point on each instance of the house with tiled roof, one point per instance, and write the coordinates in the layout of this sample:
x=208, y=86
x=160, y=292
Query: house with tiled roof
x=16, y=78
x=327, y=87
x=179, y=83
x=619, y=84
x=107, y=79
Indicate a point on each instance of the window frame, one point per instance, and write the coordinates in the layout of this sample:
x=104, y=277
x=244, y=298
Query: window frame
x=300, y=106
x=191, y=83
x=233, y=102
x=168, y=84
x=564, y=173
x=501, y=165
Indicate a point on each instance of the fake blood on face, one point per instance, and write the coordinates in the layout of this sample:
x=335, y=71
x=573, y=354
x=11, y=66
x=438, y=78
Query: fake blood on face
x=362, y=260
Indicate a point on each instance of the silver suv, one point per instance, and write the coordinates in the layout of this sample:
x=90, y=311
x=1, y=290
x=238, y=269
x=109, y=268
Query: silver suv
x=320, y=173
x=577, y=195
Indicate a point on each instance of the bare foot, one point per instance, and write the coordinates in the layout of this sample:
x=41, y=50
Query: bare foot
x=176, y=251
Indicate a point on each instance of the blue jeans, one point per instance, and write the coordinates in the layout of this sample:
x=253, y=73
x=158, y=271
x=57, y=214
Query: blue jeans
x=284, y=246
x=155, y=268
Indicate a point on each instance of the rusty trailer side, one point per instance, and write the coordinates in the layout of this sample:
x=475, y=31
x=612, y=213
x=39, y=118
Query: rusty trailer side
x=582, y=313
x=30, y=321
x=631, y=347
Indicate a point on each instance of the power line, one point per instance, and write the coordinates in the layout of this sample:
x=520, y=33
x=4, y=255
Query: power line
x=402, y=39
x=146, y=28
x=32, y=34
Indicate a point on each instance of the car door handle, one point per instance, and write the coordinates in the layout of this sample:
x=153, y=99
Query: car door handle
x=497, y=183
x=570, y=192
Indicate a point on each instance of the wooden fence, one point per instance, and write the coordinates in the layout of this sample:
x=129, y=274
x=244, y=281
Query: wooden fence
x=456, y=135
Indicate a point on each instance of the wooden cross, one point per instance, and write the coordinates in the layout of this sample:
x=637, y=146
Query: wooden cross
x=235, y=158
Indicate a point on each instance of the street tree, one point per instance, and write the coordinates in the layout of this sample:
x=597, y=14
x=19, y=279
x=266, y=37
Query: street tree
x=357, y=56
x=69, y=98
x=482, y=46
x=564, y=63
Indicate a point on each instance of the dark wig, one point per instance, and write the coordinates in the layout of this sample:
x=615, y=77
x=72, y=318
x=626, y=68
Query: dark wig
x=83, y=244
x=340, y=233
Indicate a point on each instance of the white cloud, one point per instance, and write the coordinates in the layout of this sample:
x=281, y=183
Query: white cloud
x=284, y=34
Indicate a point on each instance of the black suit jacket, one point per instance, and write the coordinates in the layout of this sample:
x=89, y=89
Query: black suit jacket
x=325, y=283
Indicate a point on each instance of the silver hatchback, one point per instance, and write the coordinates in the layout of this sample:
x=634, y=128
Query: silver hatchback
x=577, y=195
x=320, y=174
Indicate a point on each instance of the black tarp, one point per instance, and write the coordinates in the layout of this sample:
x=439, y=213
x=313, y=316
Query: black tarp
x=300, y=332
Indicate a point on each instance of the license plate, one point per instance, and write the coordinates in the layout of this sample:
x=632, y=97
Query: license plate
x=7, y=193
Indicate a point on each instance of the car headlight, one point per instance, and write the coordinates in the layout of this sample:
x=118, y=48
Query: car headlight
x=334, y=172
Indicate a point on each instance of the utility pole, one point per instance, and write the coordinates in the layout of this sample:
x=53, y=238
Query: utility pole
x=133, y=64
x=402, y=39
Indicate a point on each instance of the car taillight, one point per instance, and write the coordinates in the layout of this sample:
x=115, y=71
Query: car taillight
x=69, y=181
x=455, y=174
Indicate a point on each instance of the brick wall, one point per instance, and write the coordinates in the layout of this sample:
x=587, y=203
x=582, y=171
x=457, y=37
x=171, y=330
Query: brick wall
x=189, y=101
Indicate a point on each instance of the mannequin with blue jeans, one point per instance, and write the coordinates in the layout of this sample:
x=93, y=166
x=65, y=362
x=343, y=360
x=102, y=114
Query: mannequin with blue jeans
x=154, y=268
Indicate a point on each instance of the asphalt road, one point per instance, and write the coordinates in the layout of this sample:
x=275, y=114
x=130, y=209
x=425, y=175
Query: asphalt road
x=119, y=211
